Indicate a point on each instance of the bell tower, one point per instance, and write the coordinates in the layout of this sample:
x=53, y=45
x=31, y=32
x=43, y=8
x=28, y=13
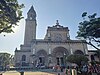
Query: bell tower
x=30, y=27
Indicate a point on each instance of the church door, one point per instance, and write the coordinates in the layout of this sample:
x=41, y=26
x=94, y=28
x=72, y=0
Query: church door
x=57, y=61
x=41, y=60
x=60, y=60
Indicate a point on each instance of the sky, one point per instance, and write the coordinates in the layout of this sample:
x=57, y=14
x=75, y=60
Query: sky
x=68, y=12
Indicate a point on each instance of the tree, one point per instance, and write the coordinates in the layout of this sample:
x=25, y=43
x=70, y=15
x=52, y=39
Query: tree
x=10, y=15
x=5, y=59
x=89, y=29
x=77, y=59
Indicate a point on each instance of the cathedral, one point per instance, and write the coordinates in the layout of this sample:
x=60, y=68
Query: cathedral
x=50, y=51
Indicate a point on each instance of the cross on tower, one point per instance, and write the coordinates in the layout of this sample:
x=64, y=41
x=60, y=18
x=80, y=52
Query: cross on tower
x=57, y=23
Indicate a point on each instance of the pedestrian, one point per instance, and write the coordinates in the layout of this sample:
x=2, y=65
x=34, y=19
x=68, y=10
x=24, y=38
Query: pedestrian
x=90, y=69
x=61, y=68
x=68, y=71
x=58, y=73
x=84, y=70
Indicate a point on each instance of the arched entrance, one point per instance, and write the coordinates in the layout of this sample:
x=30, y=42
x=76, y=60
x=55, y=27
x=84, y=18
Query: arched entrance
x=23, y=61
x=41, y=57
x=78, y=52
x=59, y=55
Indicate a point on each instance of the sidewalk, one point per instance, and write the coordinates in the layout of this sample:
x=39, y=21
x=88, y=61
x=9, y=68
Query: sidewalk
x=28, y=73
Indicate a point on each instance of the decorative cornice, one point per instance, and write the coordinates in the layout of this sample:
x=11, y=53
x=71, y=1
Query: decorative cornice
x=50, y=41
x=60, y=28
x=92, y=50
x=22, y=50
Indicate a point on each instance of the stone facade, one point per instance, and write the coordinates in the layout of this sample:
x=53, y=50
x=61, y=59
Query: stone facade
x=49, y=51
x=93, y=55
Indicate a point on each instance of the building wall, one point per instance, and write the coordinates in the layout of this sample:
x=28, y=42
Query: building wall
x=94, y=54
x=49, y=49
x=53, y=48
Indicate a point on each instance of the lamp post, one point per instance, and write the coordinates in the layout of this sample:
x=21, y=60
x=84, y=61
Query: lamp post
x=64, y=58
x=71, y=51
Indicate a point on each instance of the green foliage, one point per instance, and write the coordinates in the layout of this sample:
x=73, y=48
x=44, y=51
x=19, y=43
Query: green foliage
x=77, y=59
x=95, y=62
x=84, y=14
x=5, y=59
x=10, y=14
x=89, y=29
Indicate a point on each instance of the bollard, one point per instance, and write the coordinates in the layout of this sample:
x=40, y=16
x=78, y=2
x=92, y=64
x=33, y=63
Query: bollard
x=21, y=73
x=74, y=72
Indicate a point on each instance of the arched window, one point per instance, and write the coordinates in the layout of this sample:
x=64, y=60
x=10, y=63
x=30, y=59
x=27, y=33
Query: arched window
x=92, y=57
x=78, y=52
x=23, y=57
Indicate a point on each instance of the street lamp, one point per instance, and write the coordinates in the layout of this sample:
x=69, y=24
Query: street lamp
x=71, y=51
x=64, y=58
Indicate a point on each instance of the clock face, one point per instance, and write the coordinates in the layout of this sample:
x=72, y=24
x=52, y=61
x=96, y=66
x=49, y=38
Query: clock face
x=30, y=18
x=58, y=37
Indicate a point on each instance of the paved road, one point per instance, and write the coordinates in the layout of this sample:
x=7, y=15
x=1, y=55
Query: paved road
x=32, y=73
x=28, y=73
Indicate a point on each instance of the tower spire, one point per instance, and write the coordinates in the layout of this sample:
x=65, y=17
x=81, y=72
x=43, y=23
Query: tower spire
x=31, y=9
x=31, y=13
